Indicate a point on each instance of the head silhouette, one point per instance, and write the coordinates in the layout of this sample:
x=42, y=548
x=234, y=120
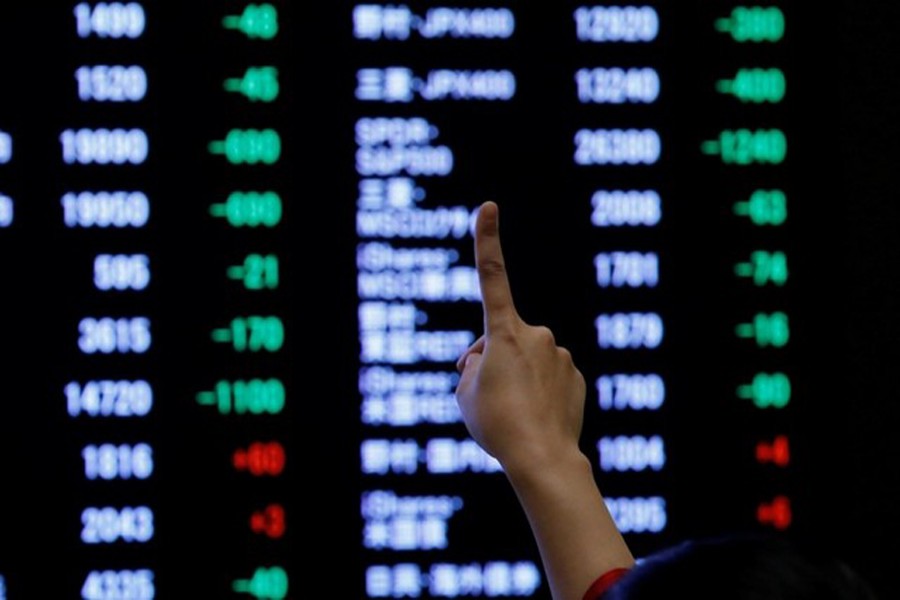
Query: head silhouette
x=744, y=567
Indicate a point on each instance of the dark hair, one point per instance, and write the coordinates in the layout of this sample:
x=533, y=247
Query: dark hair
x=740, y=567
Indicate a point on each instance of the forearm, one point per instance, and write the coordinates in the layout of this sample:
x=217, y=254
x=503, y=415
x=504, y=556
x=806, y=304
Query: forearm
x=577, y=537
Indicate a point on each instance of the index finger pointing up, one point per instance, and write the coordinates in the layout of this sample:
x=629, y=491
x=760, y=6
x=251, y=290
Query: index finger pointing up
x=495, y=293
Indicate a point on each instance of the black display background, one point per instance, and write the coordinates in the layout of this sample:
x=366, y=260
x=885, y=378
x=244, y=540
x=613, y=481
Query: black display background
x=840, y=60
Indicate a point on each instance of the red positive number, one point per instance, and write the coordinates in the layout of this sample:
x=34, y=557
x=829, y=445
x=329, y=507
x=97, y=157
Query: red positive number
x=269, y=521
x=776, y=513
x=260, y=459
x=777, y=452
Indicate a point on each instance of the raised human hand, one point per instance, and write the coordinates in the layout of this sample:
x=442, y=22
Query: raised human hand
x=521, y=396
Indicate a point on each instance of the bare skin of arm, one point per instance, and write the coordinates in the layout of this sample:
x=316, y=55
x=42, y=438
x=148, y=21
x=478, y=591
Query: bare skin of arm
x=522, y=399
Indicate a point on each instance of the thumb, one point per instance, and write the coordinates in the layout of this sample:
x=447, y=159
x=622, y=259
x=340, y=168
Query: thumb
x=477, y=347
x=469, y=371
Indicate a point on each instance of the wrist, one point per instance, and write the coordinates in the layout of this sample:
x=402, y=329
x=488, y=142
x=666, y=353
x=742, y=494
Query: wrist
x=547, y=467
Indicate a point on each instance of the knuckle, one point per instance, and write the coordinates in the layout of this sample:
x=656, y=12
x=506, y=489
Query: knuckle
x=505, y=334
x=491, y=267
x=580, y=376
x=545, y=335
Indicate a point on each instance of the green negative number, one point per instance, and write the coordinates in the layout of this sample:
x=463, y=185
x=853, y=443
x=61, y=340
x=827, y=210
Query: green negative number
x=756, y=86
x=755, y=24
x=258, y=396
x=764, y=268
x=746, y=147
x=259, y=84
x=767, y=390
x=771, y=329
x=250, y=209
x=765, y=207
x=252, y=146
x=254, y=396
x=257, y=334
x=266, y=584
x=258, y=21
x=259, y=272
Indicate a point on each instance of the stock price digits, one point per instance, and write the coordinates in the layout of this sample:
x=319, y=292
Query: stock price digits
x=183, y=257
